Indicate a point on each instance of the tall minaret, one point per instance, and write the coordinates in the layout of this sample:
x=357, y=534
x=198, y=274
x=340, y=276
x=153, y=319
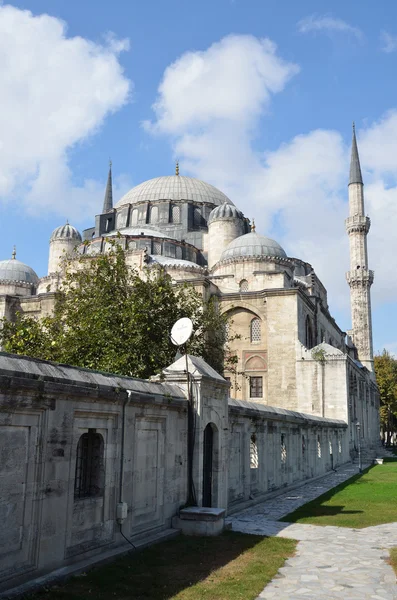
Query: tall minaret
x=108, y=200
x=359, y=278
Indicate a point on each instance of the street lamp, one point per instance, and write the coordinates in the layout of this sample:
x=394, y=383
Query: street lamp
x=359, y=447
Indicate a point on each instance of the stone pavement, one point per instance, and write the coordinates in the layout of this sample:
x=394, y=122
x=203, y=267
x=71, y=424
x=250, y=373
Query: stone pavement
x=330, y=562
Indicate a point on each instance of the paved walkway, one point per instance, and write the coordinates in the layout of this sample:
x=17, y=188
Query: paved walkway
x=330, y=562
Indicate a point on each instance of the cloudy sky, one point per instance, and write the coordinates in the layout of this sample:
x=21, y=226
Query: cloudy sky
x=255, y=96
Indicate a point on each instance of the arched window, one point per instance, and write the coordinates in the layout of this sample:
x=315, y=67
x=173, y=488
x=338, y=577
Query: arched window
x=283, y=449
x=153, y=214
x=254, y=459
x=197, y=219
x=309, y=334
x=175, y=214
x=255, y=330
x=318, y=447
x=89, y=474
x=243, y=285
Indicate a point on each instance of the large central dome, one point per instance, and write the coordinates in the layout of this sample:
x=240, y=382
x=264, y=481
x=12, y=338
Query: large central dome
x=174, y=187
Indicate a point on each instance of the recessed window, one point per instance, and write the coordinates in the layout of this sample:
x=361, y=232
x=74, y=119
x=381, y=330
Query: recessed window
x=243, y=285
x=318, y=447
x=255, y=330
x=283, y=449
x=254, y=459
x=256, y=387
x=156, y=247
x=153, y=214
x=89, y=474
x=175, y=214
x=197, y=218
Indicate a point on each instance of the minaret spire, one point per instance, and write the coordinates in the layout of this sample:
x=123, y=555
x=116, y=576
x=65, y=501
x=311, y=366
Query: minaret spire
x=108, y=200
x=355, y=169
x=359, y=278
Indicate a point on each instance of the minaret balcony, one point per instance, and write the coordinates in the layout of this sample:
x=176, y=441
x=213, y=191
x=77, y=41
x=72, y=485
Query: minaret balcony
x=357, y=223
x=360, y=278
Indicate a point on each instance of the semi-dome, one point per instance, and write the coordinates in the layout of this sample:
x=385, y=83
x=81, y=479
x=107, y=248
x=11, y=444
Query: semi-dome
x=174, y=187
x=225, y=211
x=15, y=270
x=253, y=245
x=65, y=232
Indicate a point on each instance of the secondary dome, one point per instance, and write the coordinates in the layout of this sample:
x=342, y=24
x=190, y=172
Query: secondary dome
x=66, y=231
x=255, y=245
x=15, y=270
x=225, y=211
x=174, y=187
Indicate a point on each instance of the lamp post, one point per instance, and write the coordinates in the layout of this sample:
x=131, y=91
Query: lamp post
x=359, y=447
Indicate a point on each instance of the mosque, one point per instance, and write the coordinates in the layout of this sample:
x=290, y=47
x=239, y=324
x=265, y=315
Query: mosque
x=92, y=459
x=291, y=352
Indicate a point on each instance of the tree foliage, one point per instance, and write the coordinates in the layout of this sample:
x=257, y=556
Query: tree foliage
x=106, y=317
x=386, y=377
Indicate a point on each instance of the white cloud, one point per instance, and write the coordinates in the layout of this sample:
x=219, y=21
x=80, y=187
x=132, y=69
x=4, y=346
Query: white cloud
x=298, y=192
x=328, y=24
x=230, y=82
x=389, y=42
x=55, y=92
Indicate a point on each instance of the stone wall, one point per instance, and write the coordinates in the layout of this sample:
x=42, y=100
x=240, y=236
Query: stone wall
x=272, y=448
x=54, y=417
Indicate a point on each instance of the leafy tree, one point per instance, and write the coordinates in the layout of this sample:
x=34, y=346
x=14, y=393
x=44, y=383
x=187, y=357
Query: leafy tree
x=108, y=318
x=386, y=377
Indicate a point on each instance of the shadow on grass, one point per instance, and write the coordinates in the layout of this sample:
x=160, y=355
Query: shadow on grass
x=330, y=511
x=163, y=570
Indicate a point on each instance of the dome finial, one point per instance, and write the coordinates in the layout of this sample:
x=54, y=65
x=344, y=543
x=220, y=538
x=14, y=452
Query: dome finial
x=14, y=253
x=253, y=226
x=177, y=167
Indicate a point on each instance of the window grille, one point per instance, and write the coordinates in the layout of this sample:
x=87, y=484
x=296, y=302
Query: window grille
x=243, y=285
x=256, y=387
x=132, y=245
x=254, y=459
x=255, y=333
x=156, y=247
x=154, y=214
x=175, y=214
x=283, y=449
x=197, y=217
x=88, y=480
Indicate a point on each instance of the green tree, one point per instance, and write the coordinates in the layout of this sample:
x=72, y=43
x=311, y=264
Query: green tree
x=386, y=377
x=108, y=318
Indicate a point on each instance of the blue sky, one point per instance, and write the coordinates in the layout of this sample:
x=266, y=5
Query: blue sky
x=254, y=96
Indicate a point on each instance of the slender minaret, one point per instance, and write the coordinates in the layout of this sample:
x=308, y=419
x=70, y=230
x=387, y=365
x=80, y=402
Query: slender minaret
x=108, y=200
x=359, y=278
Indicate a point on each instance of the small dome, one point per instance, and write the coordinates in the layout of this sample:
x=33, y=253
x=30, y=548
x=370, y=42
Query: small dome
x=255, y=245
x=225, y=211
x=15, y=270
x=65, y=232
x=174, y=187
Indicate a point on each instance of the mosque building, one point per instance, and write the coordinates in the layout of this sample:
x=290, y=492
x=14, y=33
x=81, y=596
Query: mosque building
x=291, y=352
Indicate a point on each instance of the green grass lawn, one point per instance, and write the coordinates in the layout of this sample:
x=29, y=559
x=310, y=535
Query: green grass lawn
x=364, y=500
x=232, y=566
